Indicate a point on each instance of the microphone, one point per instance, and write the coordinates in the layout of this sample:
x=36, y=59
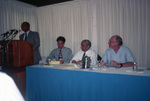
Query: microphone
x=17, y=31
x=8, y=32
x=12, y=30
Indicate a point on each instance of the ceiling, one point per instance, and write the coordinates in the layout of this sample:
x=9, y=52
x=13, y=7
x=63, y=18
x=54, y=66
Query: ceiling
x=40, y=3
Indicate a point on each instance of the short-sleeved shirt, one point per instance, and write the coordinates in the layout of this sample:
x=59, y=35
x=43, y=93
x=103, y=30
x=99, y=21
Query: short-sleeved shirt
x=66, y=54
x=122, y=56
x=90, y=53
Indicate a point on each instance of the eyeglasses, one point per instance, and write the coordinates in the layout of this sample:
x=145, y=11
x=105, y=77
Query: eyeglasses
x=112, y=41
x=60, y=44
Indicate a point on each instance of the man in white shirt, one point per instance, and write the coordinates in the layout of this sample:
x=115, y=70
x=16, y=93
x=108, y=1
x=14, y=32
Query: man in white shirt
x=8, y=89
x=85, y=48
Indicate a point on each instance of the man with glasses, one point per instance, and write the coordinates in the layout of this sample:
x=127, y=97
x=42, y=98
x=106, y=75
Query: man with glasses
x=62, y=53
x=85, y=51
x=117, y=55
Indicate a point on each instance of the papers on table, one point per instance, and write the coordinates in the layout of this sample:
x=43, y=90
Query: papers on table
x=95, y=68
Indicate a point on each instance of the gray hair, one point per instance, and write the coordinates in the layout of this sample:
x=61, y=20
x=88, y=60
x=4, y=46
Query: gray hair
x=88, y=42
x=119, y=40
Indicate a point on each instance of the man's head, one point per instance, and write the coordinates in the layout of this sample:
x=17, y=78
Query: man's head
x=60, y=42
x=115, y=42
x=25, y=26
x=85, y=45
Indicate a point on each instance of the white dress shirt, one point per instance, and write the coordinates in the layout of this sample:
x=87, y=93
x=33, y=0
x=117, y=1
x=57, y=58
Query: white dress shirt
x=8, y=89
x=27, y=34
x=90, y=53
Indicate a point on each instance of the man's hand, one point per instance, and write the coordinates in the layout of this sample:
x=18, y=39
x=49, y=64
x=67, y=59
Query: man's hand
x=76, y=62
x=102, y=63
x=114, y=63
x=61, y=61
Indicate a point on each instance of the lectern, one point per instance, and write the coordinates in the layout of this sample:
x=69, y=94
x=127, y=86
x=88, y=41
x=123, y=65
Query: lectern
x=18, y=53
x=14, y=57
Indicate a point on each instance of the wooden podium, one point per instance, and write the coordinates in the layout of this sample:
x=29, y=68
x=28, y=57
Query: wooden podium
x=18, y=53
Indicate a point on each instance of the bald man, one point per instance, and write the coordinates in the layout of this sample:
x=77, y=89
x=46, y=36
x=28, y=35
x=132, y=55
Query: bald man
x=117, y=55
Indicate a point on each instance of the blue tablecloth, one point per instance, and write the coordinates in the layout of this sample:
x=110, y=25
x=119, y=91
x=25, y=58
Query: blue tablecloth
x=50, y=84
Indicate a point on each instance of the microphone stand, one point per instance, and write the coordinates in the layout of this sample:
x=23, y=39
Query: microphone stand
x=4, y=48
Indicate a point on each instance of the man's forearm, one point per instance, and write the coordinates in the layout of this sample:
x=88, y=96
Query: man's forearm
x=128, y=64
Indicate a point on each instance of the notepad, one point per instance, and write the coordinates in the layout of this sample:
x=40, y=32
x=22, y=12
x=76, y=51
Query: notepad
x=54, y=62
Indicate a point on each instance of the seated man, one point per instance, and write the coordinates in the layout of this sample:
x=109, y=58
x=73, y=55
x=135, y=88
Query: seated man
x=63, y=53
x=117, y=55
x=85, y=48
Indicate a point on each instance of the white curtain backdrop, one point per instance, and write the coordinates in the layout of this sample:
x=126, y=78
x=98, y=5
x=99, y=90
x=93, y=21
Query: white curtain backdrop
x=96, y=20
x=73, y=20
x=13, y=13
x=128, y=18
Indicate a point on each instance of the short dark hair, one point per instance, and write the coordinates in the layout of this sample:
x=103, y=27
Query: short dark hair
x=119, y=40
x=88, y=42
x=61, y=38
x=26, y=23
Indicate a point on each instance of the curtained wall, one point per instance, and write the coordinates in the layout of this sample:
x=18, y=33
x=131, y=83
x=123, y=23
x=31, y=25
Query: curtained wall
x=131, y=20
x=96, y=20
x=13, y=13
x=73, y=20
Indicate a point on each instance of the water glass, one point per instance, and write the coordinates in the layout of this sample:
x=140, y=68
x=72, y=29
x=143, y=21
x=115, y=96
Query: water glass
x=134, y=66
x=48, y=61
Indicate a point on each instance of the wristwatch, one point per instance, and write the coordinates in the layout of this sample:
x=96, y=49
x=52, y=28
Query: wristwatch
x=121, y=65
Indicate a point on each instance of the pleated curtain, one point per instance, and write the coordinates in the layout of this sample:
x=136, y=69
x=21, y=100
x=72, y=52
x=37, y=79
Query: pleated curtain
x=96, y=20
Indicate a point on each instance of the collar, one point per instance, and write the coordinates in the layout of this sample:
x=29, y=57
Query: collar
x=117, y=51
x=86, y=51
x=62, y=48
x=27, y=32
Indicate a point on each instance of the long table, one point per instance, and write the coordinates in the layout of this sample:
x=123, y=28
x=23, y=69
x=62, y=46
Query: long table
x=57, y=83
